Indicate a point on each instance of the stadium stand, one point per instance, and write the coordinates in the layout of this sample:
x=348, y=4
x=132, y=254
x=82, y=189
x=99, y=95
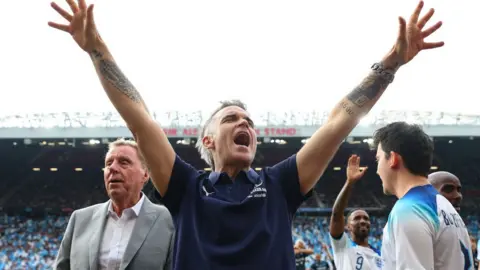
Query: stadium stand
x=44, y=179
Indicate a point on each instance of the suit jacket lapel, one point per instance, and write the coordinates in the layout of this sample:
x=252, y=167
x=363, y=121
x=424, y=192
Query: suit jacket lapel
x=99, y=219
x=143, y=225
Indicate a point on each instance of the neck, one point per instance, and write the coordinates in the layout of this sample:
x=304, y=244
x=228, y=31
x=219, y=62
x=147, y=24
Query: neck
x=363, y=242
x=120, y=205
x=231, y=171
x=407, y=182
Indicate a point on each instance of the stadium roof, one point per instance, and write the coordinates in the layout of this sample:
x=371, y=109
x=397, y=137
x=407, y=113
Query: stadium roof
x=187, y=124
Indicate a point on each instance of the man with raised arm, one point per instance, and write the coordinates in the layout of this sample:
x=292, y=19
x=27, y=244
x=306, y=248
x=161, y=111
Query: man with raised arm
x=236, y=218
x=354, y=253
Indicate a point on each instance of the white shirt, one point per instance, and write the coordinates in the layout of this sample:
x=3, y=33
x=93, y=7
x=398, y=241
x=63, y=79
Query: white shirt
x=116, y=235
x=425, y=232
x=349, y=256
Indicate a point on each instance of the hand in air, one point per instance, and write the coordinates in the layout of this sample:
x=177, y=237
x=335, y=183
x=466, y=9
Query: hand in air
x=411, y=36
x=80, y=24
x=354, y=172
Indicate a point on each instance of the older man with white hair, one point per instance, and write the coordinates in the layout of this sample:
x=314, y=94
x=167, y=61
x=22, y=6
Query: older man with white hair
x=126, y=232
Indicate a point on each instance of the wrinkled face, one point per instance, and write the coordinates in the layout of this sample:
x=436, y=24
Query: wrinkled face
x=384, y=170
x=451, y=189
x=124, y=174
x=232, y=138
x=359, y=224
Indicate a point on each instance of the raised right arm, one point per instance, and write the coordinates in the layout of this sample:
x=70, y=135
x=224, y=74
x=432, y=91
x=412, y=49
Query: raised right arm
x=337, y=220
x=151, y=139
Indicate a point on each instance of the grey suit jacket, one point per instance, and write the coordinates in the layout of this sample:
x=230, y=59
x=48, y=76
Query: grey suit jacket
x=150, y=246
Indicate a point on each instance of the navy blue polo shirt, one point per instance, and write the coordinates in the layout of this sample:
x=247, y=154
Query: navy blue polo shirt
x=240, y=224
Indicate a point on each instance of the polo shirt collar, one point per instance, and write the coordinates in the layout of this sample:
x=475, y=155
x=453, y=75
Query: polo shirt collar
x=251, y=175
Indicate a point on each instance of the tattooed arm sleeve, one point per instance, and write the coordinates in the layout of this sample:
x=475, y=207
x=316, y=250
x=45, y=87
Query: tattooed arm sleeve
x=152, y=141
x=314, y=157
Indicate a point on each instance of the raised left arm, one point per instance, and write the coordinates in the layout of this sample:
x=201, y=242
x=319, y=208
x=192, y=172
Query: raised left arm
x=313, y=158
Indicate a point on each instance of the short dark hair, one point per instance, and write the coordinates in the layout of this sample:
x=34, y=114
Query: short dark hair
x=410, y=142
x=353, y=211
x=204, y=153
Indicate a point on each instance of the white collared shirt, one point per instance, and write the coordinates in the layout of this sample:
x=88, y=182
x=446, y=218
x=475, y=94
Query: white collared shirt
x=116, y=235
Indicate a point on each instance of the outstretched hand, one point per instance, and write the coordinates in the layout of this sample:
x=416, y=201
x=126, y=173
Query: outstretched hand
x=81, y=24
x=354, y=172
x=411, y=35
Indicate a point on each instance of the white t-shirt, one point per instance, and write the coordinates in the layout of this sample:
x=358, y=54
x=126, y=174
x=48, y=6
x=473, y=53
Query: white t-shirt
x=349, y=256
x=425, y=232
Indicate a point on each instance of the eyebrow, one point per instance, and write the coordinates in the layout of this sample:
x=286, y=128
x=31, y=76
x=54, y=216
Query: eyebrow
x=236, y=115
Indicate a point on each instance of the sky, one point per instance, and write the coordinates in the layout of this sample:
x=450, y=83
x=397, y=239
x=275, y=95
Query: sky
x=274, y=55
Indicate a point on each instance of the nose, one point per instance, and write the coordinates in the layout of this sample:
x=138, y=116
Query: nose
x=243, y=123
x=113, y=167
x=458, y=196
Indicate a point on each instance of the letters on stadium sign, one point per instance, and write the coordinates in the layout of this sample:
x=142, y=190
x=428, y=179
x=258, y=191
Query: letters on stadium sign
x=261, y=132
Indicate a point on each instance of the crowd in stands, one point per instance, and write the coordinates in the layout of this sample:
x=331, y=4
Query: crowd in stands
x=28, y=243
x=32, y=243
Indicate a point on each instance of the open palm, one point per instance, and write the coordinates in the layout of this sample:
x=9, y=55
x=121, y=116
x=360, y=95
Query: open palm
x=81, y=24
x=411, y=36
x=354, y=172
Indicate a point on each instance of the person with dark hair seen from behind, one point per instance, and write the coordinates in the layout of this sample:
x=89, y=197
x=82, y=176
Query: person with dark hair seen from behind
x=353, y=253
x=236, y=218
x=449, y=186
x=423, y=231
x=319, y=264
x=301, y=253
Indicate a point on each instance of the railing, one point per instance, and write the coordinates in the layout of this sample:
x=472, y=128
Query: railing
x=197, y=118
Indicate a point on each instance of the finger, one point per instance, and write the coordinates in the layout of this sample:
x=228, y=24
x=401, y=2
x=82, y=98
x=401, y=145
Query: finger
x=350, y=162
x=82, y=4
x=90, y=21
x=73, y=6
x=421, y=23
x=416, y=13
x=432, y=45
x=402, y=28
x=362, y=172
x=355, y=162
x=58, y=26
x=61, y=11
x=431, y=29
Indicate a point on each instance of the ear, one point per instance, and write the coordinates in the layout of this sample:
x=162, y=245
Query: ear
x=208, y=142
x=146, y=176
x=394, y=160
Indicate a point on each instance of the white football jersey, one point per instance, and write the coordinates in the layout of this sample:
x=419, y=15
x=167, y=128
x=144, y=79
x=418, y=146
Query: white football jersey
x=349, y=256
x=425, y=232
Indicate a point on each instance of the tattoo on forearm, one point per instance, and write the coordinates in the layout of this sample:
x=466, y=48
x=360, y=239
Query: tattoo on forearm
x=112, y=73
x=347, y=108
x=368, y=90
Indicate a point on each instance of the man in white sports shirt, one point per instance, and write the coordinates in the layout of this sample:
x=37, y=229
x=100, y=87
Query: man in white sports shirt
x=354, y=253
x=424, y=231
